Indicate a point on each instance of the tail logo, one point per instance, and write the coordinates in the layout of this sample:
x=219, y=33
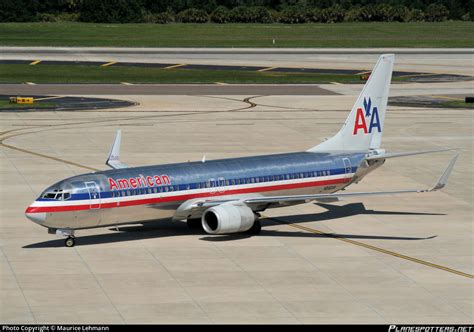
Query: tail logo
x=370, y=114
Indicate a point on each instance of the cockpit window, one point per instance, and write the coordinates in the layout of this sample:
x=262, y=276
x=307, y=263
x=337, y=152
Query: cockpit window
x=57, y=194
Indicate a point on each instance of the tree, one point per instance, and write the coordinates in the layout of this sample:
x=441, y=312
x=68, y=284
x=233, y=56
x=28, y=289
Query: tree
x=111, y=11
x=436, y=13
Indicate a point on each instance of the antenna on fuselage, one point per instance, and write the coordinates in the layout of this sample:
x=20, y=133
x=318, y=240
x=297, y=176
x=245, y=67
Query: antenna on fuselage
x=203, y=159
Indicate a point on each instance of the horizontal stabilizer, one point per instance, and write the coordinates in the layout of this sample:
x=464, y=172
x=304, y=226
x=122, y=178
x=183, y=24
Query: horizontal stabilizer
x=114, y=156
x=402, y=154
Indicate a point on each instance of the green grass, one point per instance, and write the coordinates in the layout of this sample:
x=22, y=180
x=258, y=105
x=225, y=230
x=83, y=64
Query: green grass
x=361, y=34
x=16, y=73
x=458, y=104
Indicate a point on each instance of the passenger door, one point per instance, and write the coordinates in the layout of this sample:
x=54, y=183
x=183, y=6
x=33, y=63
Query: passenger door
x=94, y=194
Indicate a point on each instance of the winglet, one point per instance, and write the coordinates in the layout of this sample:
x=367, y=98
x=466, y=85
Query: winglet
x=114, y=156
x=443, y=180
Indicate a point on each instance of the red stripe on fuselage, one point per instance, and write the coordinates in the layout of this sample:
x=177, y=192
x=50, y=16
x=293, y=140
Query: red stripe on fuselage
x=63, y=208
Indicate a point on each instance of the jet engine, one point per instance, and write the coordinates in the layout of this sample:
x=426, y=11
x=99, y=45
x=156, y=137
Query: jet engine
x=228, y=218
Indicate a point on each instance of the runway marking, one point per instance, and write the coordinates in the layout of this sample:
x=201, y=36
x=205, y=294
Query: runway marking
x=175, y=66
x=108, y=64
x=35, y=62
x=126, y=83
x=30, y=83
x=266, y=69
x=371, y=247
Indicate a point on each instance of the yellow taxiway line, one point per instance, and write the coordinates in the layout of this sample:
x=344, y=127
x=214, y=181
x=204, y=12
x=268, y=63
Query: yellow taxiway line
x=371, y=247
x=108, y=64
x=35, y=62
x=266, y=69
x=175, y=66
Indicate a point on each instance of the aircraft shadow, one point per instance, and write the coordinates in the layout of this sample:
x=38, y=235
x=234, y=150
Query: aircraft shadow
x=167, y=228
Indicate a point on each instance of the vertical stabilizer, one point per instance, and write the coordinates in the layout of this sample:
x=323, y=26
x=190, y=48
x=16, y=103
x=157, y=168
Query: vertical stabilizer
x=364, y=126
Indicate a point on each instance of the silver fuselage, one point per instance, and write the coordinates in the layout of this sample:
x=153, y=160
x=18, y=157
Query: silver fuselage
x=141, y=194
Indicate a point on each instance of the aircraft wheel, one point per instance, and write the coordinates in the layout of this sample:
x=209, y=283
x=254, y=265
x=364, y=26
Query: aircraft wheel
x=70, y=242
x=256, y=228
x=194, y=224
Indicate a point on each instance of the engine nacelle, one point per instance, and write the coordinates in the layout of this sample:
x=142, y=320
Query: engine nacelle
x=228, y=218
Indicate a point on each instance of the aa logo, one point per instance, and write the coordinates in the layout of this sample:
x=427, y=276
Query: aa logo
x=370, y=115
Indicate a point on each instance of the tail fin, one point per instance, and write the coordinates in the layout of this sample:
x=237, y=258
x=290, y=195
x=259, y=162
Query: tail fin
x=364, y=125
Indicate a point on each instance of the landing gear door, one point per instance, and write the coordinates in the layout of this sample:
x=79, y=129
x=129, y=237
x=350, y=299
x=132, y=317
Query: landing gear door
x=94, y=194
x=347, y=166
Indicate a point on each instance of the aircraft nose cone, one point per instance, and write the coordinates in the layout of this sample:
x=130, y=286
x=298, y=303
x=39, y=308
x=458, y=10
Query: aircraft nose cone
x=37, y=217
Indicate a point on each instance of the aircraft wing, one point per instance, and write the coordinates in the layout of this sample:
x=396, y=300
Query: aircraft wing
x=196, y=207
x=285, y=199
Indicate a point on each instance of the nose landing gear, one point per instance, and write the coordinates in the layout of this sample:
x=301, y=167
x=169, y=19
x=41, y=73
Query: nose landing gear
x=70, y=240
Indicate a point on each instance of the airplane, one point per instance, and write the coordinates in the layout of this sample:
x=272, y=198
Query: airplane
x=227, y=195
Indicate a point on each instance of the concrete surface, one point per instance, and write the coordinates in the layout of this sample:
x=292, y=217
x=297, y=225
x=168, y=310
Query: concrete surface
x=394, y=259
x=430, y=60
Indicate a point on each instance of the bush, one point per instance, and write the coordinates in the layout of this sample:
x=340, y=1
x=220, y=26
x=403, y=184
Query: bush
x=61, y=17
x=354, y=14
x=416, y=15
x=436, y=13
x=314, y=15
x=192, y=15
x=399, y=13
x=292, y=15
x=274, y=15
x=262, y=15
x=111, y=11
x=333, y=14
x=46, y=17
x=241, y=14
x=159, y=18
x=220, y=15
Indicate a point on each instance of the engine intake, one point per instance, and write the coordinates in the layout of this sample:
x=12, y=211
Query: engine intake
x=228, y=218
